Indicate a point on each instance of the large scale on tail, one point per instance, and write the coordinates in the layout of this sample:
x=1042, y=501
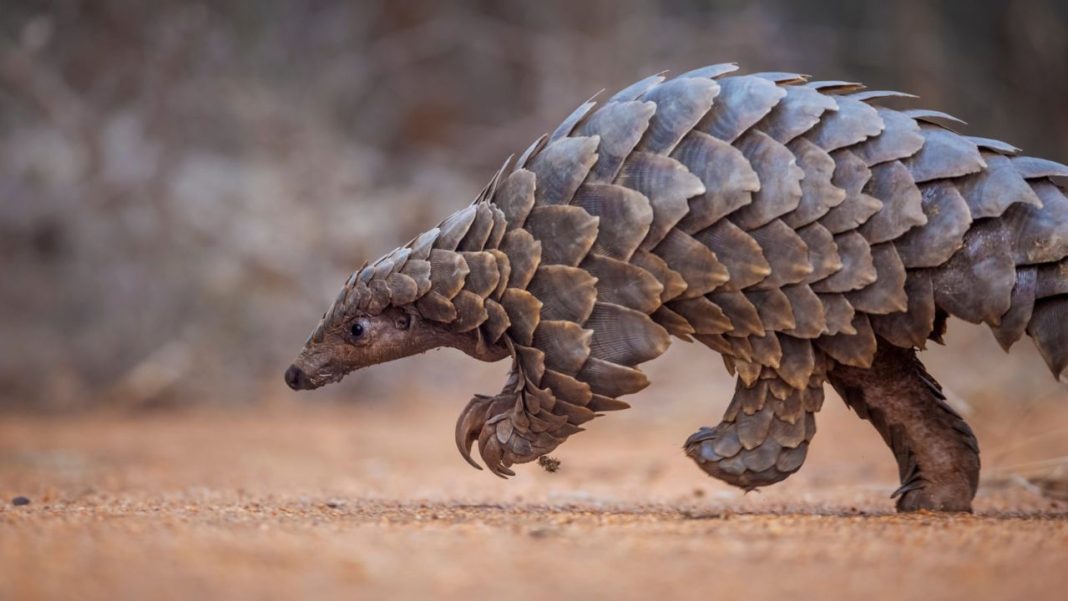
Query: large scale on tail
x=800, y=229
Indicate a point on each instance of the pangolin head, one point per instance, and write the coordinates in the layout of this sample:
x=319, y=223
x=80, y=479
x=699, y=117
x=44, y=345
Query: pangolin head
x=371, y=321
x=409, y=301
x=390, y=310
x=339, y=346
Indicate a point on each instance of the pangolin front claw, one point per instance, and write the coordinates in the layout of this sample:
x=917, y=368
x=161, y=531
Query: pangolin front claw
x=480, y=421
x=493, y=454
x=501, y=444
x=469, y=425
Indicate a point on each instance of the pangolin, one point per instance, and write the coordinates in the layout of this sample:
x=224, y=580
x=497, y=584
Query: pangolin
x=801, y=229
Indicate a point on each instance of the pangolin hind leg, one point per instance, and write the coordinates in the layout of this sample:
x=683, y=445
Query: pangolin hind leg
x=764, y=435
x=936, y=452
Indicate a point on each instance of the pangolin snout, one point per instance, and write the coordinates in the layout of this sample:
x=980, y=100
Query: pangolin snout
x=297, y=379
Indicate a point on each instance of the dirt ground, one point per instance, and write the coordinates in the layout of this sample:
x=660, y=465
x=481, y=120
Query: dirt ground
x=317, y=500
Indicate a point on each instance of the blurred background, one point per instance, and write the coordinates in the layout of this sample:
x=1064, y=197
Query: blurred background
x=184, y=185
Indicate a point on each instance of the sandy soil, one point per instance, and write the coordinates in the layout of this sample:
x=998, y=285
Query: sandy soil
x=318, y=500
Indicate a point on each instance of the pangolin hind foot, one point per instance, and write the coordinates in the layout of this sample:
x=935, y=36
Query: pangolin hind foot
x=937, y=453
x=764, y=435
x=803, y=230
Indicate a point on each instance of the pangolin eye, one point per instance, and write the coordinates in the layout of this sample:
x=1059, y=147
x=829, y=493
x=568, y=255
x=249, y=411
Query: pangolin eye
x=356, y=330
x=403, y=322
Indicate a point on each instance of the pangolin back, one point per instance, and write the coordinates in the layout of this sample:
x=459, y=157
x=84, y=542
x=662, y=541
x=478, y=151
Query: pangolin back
x=783, y=223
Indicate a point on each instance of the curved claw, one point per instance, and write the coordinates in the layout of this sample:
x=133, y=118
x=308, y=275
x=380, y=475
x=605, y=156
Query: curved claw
x=469, y=426
x=500, y=443
x=702, y=434
x=472, y=425
x=493, y=454
x=496, y=457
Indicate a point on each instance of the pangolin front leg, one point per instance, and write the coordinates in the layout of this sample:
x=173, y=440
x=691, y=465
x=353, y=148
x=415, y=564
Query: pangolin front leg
x=504, y=433
x=937, y=454
x=764, y=435
x=517, y=425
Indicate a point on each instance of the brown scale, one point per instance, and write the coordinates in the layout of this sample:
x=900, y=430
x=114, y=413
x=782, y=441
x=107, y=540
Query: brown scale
x=800, y=229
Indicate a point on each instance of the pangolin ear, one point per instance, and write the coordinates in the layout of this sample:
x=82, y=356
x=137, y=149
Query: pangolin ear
x=403, y=321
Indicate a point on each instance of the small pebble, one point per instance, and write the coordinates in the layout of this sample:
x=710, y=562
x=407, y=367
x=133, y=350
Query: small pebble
x=20, y=501
x=549, y=464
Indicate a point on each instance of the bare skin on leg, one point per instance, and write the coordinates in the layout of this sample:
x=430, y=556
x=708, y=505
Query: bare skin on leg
x=936, y=452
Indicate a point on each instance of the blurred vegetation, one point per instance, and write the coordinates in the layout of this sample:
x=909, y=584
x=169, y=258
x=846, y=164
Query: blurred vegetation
x=183, y=185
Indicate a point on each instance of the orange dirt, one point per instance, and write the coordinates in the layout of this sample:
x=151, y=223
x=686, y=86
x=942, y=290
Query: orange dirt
x=314, y=501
